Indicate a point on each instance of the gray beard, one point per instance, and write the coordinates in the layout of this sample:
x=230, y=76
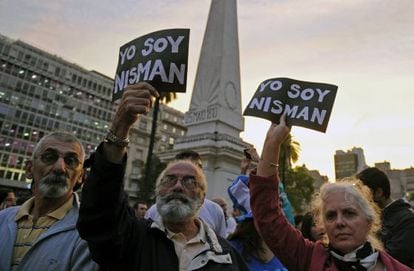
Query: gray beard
x=53, y=186
x=177, y=207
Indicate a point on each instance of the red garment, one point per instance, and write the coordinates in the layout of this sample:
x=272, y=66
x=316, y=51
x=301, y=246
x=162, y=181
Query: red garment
x=286, y=242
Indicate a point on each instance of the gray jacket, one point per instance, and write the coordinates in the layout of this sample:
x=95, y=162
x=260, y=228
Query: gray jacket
x=59, y=248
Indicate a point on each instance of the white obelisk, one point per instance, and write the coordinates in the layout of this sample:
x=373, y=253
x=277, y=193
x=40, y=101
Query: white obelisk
x=214, y=119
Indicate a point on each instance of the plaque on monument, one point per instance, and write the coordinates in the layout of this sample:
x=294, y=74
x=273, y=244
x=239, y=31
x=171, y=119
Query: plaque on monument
x=306, y=104
x=160, y=58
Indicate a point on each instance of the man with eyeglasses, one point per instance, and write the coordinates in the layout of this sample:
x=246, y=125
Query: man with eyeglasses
x=41, y=234
x=119, y=241
x=210, y=212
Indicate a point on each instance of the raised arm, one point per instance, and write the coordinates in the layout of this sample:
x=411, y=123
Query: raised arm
x=106, y=221
x=136, y=100
x=280, y=236
x=268, y=163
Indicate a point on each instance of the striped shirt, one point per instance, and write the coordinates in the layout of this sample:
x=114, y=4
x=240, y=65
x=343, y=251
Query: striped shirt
x=29, y=231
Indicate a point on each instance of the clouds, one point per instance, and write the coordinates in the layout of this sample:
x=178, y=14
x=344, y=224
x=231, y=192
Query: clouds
x=354, y=34
x=366, y=47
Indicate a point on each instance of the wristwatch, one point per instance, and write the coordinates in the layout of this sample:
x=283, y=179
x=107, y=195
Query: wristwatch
x=111, y=138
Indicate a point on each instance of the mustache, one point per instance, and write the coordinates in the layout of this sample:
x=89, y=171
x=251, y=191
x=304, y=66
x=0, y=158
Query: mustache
x=54, y=178
x=176, y=196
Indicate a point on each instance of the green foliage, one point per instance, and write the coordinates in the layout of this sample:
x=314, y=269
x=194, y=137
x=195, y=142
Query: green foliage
x=299, y=187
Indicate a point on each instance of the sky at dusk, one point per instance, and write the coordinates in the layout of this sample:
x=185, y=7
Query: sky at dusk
x=366, y=47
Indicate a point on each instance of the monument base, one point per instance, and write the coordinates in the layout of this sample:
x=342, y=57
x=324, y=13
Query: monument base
x=221, y=155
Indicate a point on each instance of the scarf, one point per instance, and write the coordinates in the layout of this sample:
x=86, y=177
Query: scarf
x=361, y=259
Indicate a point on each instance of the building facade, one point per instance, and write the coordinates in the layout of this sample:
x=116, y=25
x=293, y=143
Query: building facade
x=318, y=179
x=41, y=92
x=349, y=163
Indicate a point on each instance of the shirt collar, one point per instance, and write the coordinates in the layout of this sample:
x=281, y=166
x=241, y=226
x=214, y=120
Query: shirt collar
x=24, y=209
x=201, y=235
x=58, y=214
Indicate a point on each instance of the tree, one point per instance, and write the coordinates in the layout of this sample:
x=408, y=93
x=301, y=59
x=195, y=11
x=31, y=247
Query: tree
x=289, y=154
x=146, y=188
x=165, y=97
x=299, y=187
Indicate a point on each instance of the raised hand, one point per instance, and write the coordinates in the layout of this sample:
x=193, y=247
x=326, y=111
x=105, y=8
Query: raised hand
x=277, y=133
x=275, y=136
x=136, y=100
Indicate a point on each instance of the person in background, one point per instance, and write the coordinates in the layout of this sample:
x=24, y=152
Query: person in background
x=7, y=198
x=140, y=208
x=246, y=238
x=397, y=216
x=210, y=211
x=41, y=234
x=298, y=221
x=230, y=221
x=248, y=164
x=310, y=229
x=345, y=209
x=119, y=241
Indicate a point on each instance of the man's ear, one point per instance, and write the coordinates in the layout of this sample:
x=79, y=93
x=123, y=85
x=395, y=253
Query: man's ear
x=29, y=169
x=82, y=177
x=80, y=180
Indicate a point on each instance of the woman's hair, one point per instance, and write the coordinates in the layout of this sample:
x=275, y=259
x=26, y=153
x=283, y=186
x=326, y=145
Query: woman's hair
x=249, y=238
x=355, y=191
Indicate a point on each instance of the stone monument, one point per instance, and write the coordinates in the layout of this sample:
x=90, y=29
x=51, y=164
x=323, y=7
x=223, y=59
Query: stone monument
x=214, y=120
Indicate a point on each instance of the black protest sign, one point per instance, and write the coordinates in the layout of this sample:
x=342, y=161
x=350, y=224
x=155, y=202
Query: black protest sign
x=159, y=58
x=306, y=104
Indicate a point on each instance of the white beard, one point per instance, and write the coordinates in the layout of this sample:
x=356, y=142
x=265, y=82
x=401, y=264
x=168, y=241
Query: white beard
x=177, y=207
x=52, y=186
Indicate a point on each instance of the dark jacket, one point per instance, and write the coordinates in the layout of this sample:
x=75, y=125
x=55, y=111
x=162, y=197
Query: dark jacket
x=119, y=241
x=398, y=231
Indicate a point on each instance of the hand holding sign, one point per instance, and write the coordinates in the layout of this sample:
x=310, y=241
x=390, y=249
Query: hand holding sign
x=305, y=104
x=159, y=58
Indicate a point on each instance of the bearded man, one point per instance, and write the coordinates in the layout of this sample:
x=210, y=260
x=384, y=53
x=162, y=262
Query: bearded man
x=120, y=241
x=41, y=234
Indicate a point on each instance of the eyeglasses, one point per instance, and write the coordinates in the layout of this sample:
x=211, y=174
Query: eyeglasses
x=188, y=181
x=50, y=157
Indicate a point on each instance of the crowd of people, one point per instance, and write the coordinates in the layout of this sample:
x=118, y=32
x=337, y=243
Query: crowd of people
x=353, y=224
